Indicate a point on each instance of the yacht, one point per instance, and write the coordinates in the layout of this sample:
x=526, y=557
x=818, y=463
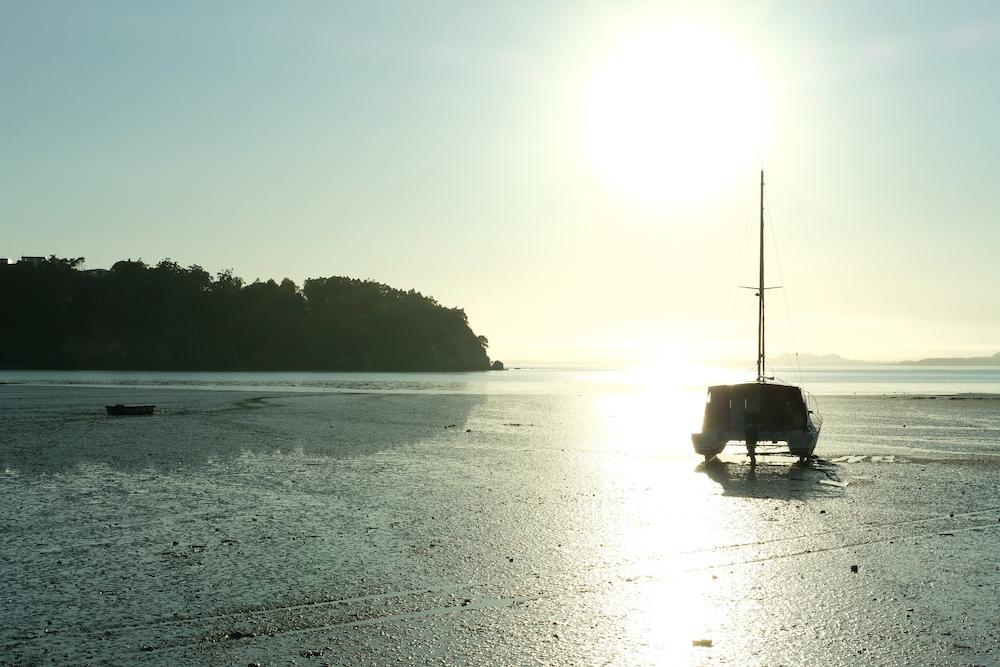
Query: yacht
x=762, y=412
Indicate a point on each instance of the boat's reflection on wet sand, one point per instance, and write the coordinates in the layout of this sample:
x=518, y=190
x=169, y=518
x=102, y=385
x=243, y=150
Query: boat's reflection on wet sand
x=780, y=477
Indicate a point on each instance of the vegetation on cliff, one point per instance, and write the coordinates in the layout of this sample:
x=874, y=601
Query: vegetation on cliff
x=167, y=317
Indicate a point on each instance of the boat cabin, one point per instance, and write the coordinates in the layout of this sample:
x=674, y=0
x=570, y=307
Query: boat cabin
x=755, y=405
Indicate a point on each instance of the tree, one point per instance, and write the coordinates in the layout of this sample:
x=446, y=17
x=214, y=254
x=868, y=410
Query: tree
x=167, y=317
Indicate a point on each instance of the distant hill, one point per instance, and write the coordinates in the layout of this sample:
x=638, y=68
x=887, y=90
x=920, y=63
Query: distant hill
x=831, y=360
x=993, y=360
x=820, y=360
x=167, y=317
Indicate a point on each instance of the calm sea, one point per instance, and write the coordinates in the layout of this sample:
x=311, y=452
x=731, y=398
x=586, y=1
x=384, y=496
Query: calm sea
x=867, y=380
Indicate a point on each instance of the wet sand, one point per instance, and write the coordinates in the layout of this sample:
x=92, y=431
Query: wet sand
x=232, y=528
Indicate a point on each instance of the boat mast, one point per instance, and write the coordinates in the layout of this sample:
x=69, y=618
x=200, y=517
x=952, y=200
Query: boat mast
x=760, y=290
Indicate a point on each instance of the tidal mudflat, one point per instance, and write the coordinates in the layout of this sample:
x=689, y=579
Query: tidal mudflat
x=239, y=527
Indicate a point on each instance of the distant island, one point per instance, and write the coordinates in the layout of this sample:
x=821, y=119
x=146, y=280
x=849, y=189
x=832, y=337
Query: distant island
x=828, y=360
x=816, y=360
x=993, y=360
x=168, y=317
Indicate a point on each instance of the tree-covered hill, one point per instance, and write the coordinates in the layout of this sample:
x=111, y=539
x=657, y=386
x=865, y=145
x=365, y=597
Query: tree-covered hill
x=167, y=317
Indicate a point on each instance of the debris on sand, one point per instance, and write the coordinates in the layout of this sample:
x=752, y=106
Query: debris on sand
x=704, y=643
x=833, y=482
x=312, y=653
x=851, y=458
x=854, y=569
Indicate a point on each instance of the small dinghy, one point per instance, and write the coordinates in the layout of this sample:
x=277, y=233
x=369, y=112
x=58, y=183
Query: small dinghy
x=121, y=409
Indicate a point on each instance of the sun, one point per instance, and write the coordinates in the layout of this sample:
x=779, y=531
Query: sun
x=673, y=115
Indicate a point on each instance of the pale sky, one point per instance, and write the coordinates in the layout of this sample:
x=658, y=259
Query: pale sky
x=579, y=176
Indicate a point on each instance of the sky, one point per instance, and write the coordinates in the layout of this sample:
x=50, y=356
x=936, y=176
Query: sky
x=581, y=177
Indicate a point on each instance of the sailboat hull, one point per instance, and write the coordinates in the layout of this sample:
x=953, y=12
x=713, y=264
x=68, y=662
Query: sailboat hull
x=800, y=443
x=758, y=413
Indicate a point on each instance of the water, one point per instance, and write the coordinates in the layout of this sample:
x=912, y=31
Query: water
x=841, y=381
x=534, y=516
x=873, y=409
x=936, y=380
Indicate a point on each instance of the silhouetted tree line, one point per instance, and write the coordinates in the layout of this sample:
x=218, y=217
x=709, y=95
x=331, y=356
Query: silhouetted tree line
x=167, y=317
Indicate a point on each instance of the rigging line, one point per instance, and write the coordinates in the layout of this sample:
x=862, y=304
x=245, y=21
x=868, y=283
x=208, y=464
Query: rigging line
x=784, y=295
x=788, y=309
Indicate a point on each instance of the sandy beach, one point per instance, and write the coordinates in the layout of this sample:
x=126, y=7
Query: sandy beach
x=241, y=527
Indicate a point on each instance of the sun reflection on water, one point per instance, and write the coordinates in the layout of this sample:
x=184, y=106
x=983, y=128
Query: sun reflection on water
x=660, y=408
x=667, y=524
x=661, y=595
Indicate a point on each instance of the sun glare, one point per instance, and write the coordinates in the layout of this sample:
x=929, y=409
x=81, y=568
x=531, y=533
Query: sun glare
x=673, y=114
